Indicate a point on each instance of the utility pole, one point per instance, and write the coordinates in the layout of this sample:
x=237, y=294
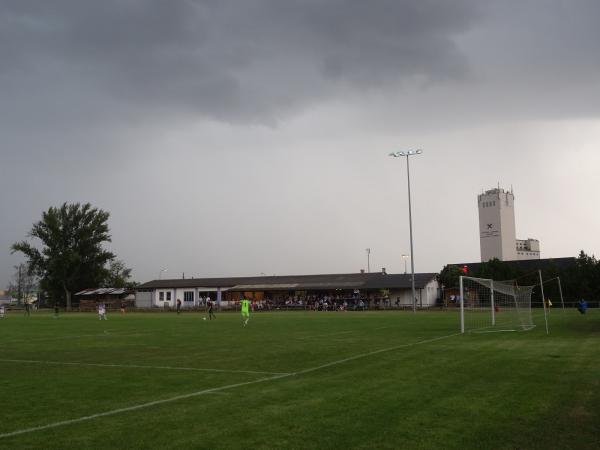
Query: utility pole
x=19, y=289
x=368, y=250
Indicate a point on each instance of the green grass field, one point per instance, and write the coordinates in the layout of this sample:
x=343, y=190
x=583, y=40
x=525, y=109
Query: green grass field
x=297, y=381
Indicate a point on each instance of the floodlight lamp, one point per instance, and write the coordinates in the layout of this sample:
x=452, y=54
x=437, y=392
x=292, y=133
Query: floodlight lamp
x=419, y=151
x=395, y=154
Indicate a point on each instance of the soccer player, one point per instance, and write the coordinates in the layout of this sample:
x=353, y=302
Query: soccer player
x=101, y=311
x=1, y=311
x=582, y=306
x=56, y=310
x=211, y=314
x=245, y=304
x=178, y=306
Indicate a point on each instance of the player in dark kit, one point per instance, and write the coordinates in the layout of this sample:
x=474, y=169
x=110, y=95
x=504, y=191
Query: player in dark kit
x=211, y=314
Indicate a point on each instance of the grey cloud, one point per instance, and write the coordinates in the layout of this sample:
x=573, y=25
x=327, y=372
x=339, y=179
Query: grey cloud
x=230, y=60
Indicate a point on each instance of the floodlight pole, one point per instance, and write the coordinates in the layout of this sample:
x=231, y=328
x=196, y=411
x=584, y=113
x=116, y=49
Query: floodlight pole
x=368, y=250
x=412, y=259
x=412, y=252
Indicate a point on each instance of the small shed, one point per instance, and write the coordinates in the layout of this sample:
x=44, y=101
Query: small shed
x=113, y=298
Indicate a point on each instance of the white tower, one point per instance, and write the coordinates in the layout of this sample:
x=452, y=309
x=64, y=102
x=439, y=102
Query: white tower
x=497, y=234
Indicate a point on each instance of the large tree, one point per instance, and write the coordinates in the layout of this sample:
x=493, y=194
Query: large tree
x=71, y=256
x=118, y=275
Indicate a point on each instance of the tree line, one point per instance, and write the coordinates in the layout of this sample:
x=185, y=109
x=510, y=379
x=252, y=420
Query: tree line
x=578, y=280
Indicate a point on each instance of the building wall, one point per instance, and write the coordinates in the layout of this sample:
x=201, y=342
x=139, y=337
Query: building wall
x=144, y=299
x=170, y=297
x=426, y=297
x=497, y=234
x=528, y=249
x=167, y=299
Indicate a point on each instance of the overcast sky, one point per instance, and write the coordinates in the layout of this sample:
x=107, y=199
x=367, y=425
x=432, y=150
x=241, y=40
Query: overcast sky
x=245, y=137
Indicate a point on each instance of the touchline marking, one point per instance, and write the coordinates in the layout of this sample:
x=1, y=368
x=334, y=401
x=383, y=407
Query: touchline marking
x=138, y=366
x=217, y=389
x=141, y=406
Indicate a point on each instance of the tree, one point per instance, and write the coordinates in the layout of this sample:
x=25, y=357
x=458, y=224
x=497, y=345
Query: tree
x=118, y=275
x=449, y=276
x=24, y=283
x=71, y=256
x=583, y=279
x=497, y=270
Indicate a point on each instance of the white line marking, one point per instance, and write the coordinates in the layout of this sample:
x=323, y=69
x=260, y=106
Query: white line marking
x=141, y=406
x=217, y=389
x=374, y=352
x=324, y=335
x=104, y=334
x=137, y=366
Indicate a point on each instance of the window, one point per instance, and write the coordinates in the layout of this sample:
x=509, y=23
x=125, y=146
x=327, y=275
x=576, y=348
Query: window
x=161, y=296
x=188, y=296
x=168, y=296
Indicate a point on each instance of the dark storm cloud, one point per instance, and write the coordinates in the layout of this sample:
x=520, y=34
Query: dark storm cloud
x=148, y=109
x=227, y=60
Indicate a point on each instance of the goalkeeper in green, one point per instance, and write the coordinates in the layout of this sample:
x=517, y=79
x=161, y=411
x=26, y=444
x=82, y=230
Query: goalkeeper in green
x=245, y=304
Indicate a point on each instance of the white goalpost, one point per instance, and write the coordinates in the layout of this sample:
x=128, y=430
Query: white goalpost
x=559, y=287
x=491, y=306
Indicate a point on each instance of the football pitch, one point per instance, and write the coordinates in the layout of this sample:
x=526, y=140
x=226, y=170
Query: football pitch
x=297, y=380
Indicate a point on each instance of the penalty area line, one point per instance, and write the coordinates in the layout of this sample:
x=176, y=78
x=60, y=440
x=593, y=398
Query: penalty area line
x=218, y=389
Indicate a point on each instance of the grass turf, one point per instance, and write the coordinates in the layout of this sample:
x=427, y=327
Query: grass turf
x=298, y=380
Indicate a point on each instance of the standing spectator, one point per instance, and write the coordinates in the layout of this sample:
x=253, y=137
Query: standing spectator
x=178, y=306
x=56, y=310
x=1, y=311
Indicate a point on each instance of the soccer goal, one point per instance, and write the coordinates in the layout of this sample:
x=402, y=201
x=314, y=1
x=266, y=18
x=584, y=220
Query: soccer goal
x=488, y=306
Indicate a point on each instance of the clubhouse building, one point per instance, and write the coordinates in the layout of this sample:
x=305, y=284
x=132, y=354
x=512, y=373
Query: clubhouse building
x=374, y=289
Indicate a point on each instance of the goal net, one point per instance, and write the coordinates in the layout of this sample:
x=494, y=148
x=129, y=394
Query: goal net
x=487, y=305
